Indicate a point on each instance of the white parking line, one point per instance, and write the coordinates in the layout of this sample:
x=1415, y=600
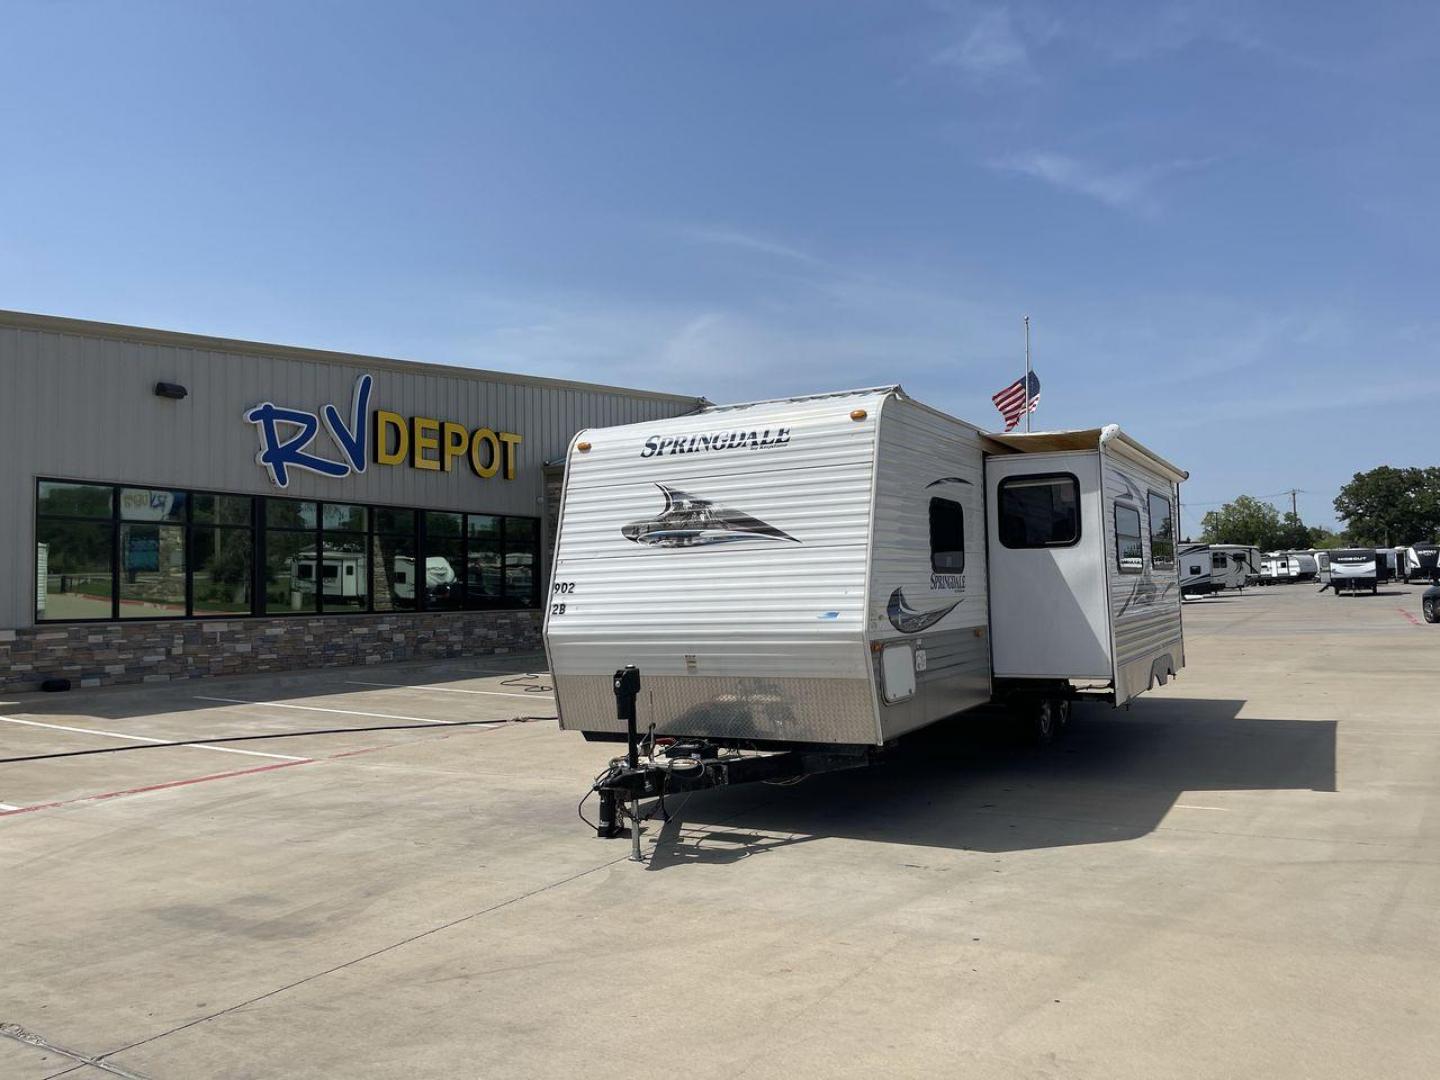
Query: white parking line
x=317, y=708
x=7, y=806
x=449, y=689
x=145, y=739
x=1185, y=806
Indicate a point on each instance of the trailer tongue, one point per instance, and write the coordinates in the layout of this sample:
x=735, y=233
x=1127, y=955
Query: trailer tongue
x=654, y=767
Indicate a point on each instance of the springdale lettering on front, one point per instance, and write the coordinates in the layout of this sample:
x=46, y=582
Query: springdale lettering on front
x=420, y=441
x=657, y=445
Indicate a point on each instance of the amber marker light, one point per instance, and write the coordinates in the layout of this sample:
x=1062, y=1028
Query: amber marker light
x=583, y=447
x=858, y=414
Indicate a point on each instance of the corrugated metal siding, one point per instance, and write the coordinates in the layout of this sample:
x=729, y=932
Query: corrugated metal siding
x=918, y=446
x=79, y=406
x=740, y=620
x=1144, y=607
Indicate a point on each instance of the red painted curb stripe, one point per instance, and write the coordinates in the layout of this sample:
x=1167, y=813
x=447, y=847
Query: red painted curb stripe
x=1408, y=616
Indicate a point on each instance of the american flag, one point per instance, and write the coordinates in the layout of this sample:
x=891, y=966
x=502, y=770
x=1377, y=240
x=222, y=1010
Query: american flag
x=1011, y=400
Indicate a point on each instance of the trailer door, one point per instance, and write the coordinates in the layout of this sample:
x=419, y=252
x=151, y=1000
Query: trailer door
x=1048, y=612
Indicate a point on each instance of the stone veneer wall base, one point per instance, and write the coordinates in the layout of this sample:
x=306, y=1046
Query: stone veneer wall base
x=107, y=654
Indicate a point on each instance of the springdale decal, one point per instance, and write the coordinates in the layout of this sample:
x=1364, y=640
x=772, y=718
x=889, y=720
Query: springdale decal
x=704, y=442
x=911, y=620
x=688, y=521
x=386, y=438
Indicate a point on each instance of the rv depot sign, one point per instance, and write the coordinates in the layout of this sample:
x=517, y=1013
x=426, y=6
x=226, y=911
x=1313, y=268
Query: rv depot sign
x=287, y=437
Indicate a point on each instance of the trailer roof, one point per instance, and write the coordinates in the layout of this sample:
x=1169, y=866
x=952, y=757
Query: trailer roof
x=1110, y=437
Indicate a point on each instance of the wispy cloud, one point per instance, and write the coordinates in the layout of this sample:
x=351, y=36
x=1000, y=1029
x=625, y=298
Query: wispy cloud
x=724, y=236
x=991, y=47
x=1133, y=189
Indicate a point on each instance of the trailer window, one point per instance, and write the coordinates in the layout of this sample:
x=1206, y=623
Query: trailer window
x=1162, y=534
x=1129, y=549
x=1039, y=511
x=947, y=536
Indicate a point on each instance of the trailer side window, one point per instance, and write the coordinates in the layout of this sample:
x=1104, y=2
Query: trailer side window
x=947, y=536
x=1128, y=546
x=1039, y=511
x=1162, y=533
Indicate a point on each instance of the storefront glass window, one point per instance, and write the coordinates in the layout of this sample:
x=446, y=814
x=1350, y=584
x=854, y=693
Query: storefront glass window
x=393, y=573
x=152, y=504
x=291, y=572
x=107, y=552
x=344, y=577
x=221, y=570
x=221, y=509
x=74, y=570
x=289, y=514
x=74, y=500
x=522, y=552
x=444, y=551
x=152, y=571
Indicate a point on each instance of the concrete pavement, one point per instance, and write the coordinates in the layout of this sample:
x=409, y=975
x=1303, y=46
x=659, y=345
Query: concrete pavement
x=1238, y=876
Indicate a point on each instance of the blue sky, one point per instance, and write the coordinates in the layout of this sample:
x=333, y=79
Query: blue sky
x=1222, y=218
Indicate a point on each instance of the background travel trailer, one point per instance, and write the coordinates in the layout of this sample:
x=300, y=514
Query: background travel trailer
x=824, y=570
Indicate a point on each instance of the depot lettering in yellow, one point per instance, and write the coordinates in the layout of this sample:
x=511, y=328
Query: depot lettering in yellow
x=392, y=438
x=424, y=435
x=437, y=445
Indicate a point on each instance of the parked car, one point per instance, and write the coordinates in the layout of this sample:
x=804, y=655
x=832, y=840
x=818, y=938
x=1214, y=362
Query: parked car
x=1430, y=603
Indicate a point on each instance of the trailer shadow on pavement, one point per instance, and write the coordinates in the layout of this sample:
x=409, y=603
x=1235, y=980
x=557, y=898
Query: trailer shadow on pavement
x=969, y=785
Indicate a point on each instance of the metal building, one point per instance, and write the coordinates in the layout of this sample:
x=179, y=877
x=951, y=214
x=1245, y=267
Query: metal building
x=179, y=505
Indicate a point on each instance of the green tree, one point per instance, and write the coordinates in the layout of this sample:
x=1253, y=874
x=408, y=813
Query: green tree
x=1321, y=537
x=1294, y=535
x=1246, y=520
x=1391, y=506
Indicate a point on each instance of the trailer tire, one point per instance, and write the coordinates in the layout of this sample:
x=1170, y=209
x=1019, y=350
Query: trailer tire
x=1043, y=721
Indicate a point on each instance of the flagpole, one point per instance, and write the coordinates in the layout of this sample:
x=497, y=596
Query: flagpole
x=1027, y=373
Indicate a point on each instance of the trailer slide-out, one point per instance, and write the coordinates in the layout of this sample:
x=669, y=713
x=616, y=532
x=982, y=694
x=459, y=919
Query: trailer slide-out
x=770, y=589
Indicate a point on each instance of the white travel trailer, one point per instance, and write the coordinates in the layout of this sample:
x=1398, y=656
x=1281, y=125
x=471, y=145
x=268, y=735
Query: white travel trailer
x=842, y=569
x=1353, y=569
x=1423, y=560
x=1275, y=569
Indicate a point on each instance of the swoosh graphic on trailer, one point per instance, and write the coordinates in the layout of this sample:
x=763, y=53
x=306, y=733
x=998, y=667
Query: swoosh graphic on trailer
x=947, y=480
x=910, y=621
x=1144, y=594
x=689, y=521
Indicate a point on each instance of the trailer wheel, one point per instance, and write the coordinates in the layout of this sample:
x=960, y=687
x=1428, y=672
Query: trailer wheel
x=1043, y=721
x=1427, y=607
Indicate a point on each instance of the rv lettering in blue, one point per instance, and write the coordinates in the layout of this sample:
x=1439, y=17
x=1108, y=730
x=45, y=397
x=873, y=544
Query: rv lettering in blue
x=658, y=445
